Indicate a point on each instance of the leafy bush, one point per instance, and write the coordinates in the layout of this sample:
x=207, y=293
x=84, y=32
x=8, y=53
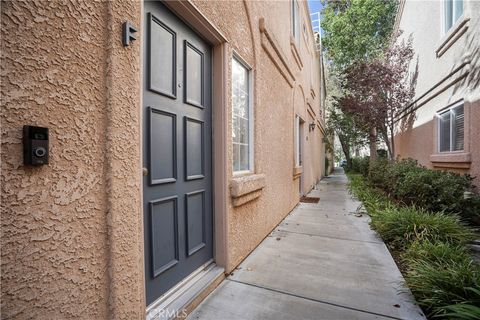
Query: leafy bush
x=432, y=190
x=377, y=173
x=402, y=226
x=382, y=153
x=444, y=279
x=373, y=200
x=438, y=268
x=360, y=165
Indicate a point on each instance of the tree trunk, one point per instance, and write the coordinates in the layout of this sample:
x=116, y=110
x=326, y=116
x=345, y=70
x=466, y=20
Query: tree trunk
x=386, y=138
x=392, y=142
x=372, y=137
x=346, y=151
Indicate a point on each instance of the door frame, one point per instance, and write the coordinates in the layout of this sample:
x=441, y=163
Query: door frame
x=190, y=14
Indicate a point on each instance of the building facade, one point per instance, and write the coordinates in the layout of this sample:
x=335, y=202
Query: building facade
x=441, y=127
x=180, y=133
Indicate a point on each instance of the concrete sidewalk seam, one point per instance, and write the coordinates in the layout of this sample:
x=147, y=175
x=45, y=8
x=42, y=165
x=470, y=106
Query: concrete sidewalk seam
x=330, y=237
x=312, y=299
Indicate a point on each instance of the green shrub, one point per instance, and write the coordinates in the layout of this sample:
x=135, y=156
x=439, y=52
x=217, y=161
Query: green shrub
x=396, y=172
x=373, y=200
x=438, y=268
x=377, y=173
x=434, y=252
x=432, y=190
x=442, y=277
x=360, y=165
x=402, y=226
x=382, y=153
x=465, y=310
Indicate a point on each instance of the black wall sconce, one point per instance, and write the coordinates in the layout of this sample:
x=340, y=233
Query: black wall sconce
x=311, y=126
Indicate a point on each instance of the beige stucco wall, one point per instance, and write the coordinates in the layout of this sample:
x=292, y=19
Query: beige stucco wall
x=71, y=230
x=72, y=239
x=417, y=138
x=275, y=105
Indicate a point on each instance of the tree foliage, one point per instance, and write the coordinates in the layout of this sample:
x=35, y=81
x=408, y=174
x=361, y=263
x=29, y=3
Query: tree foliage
x=344, y=126
x=356, y=30
x=379, y=89
x=372, y=69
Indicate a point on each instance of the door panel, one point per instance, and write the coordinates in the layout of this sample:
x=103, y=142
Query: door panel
x=162, y=57
x=177, y=144
x=193, y=74
x=194, y=149
x=164, y=228
x=163, y=146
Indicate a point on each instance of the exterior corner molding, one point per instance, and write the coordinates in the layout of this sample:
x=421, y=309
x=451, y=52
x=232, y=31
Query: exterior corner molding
x=271, y=47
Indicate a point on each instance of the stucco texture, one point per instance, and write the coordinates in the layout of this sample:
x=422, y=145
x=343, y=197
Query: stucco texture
x=72, y=238
x=275, y=104
x=442, y=78
x=63, y=67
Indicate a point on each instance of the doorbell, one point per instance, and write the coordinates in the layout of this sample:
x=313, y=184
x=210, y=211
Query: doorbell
x=35, y=145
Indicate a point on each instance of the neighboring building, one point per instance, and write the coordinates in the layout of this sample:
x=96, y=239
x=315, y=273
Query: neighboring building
x=441, y=129
x=170, y=158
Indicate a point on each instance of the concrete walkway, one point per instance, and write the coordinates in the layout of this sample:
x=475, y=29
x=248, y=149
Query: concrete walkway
x=321, y=262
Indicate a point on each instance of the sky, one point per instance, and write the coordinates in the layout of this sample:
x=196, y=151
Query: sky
x=314, y=5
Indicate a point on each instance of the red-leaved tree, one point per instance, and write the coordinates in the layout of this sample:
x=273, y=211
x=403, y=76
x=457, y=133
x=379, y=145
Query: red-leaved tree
x=377, y=90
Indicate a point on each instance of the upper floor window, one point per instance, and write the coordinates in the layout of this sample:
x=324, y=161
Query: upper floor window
x=241, y=117
x=452, y=10
x=296, y=21
x=451, y=129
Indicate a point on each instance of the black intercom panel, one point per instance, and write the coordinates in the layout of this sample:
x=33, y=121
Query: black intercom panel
x=35, y=145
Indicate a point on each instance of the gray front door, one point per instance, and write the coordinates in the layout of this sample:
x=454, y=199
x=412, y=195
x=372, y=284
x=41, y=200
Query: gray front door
x=177, y=151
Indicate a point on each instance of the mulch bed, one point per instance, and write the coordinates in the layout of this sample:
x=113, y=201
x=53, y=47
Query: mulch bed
x=309, y=199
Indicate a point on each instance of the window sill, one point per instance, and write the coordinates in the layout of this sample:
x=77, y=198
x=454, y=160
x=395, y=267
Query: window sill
x=455, y=32
x=297, y=172
x=460, y=160
x=246, y=188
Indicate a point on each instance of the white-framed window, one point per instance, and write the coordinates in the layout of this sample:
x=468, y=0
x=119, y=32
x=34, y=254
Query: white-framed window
x=451, y=124
x=242, y=116
x=296, y=21
x=452, y=11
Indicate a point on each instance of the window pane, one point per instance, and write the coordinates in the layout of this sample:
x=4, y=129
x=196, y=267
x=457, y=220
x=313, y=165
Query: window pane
x=244, y=157
x=243, y=131
x=241, y=116
x=458, y=10
x=235, y=129
x=236, y=157
x=444, y=123
x=448, y=14
x=458, y=128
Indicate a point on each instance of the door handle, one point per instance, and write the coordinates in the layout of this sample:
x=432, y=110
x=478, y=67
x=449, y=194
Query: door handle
x=145, y=172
